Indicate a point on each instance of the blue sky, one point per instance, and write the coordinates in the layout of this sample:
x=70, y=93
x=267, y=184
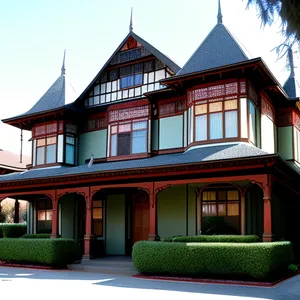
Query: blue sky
x=34, y=34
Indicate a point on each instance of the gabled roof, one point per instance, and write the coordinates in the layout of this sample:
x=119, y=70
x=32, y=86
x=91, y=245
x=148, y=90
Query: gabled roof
x=162, y=57
x=56, y=97
x=218, y=49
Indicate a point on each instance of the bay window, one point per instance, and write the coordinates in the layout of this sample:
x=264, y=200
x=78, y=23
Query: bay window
x=129, y=138
x=70, y=149
x=216, y=120
x=252, y=122
x=46, y=150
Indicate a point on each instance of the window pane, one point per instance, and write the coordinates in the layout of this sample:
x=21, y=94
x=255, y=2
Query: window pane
x=40, y=155
x=125, y=127
x=232, y=209
x=201, y=128
x=221, y=209
x=97, y=203
x=113, y=145
x=233, y=195
x=49, y=214
x=51, y=140
x=139, y=125
x=231, y=124
x=231, y=104
x=70, y=140
x=221, y=195
x=216, y=128
x=123, y=143
x=124, y=82
x=41, y=215
x=209, y=209
x=209, y=196
x=138, y=79
x=130, y=81
x=70, y=154
x=252, y=122
x=97, y=213
x=201, y=109
x=139, y=141
x=51, y=154
x=215, y=106
x=98, y=228
x=41, y=142
x=114, y=129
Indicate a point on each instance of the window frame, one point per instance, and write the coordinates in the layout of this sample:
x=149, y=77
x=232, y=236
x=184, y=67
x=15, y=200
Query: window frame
x=98, y=220
x=45, y=149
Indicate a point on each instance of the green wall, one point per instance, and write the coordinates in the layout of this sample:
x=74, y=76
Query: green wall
x=285, y=142
x=172, y=212
x=115, y=225
x=171, y=132
x=92, y=143
x=67, y=206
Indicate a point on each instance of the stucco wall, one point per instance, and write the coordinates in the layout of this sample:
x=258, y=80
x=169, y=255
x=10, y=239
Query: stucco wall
x=115, y=225
x=92, y=143
x=171, y=132
x=173, y=215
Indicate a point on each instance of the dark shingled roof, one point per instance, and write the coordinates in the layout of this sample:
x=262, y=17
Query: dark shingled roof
x=218, y=49
x=290, y=86
x=196, y=155
x=162, y=57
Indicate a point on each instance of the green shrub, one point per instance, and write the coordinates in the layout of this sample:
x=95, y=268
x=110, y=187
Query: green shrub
x=217, y=239
x=36, y=236
x=53, y=252
x=293, y=268
x=12, y=230
x=256, y=260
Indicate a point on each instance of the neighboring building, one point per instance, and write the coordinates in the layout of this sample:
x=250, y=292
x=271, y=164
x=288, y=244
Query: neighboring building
x=151, y=149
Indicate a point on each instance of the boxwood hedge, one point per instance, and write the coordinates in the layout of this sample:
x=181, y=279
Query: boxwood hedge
x=12, y=230
x=53, y=252
x=255, y=260
x=36, y=236
x=217, y=239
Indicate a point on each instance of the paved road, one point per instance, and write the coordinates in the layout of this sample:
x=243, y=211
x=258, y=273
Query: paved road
x=23, y=284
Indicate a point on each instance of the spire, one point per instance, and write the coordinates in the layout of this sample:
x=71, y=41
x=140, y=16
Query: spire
x=63, y=69
x=291, y=62
x=131, y=24
x=220, y=17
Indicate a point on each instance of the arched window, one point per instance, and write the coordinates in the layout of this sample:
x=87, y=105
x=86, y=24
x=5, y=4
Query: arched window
x=220, y=209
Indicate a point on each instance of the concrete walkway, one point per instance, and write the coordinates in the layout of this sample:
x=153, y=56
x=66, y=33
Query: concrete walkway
x=119, y=265
x=21, y=283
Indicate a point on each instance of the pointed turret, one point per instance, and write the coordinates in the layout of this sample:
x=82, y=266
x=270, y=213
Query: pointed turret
x=218, y=49
x=131, y=22
x=290, y=85
x=220, y=17
x=59, y=94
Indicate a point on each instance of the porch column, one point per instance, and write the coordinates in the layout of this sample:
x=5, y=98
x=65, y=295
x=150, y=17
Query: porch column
x=17, y=212
x=54, y=232
x=88, y=228
x=267, y=235
x=153, y=215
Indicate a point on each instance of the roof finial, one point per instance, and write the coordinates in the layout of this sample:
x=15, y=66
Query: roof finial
x=220, y=17
x=63, y=69
x=291, y=62
x=131, y=24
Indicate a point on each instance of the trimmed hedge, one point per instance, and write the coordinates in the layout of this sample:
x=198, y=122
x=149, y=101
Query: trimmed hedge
x=217, y=239
x=12, y=230
x=53, y=252
x=255, y=260
x=36, y=236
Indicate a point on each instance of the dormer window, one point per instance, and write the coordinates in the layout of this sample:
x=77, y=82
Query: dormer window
x=131, y=76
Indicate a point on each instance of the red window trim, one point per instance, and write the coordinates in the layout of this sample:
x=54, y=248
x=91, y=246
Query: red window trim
x=59, y=129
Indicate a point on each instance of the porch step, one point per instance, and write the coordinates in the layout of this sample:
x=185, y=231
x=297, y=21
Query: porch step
x=116, y=266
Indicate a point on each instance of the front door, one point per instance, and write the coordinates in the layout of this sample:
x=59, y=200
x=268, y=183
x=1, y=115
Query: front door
x=141, y=217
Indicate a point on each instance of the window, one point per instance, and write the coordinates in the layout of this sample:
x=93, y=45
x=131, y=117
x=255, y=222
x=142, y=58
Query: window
x=220, y=212
x=46, y=150
x=129, y=138
x=172, y=108
x=131, y=80
x=216, y=120
x=70, y=149
x=252, y=122
x=44, y=215
x=98, y=218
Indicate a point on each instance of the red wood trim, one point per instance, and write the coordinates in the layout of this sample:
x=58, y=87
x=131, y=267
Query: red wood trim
x=129, y=104
x=170, y=151
x=126, y=157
